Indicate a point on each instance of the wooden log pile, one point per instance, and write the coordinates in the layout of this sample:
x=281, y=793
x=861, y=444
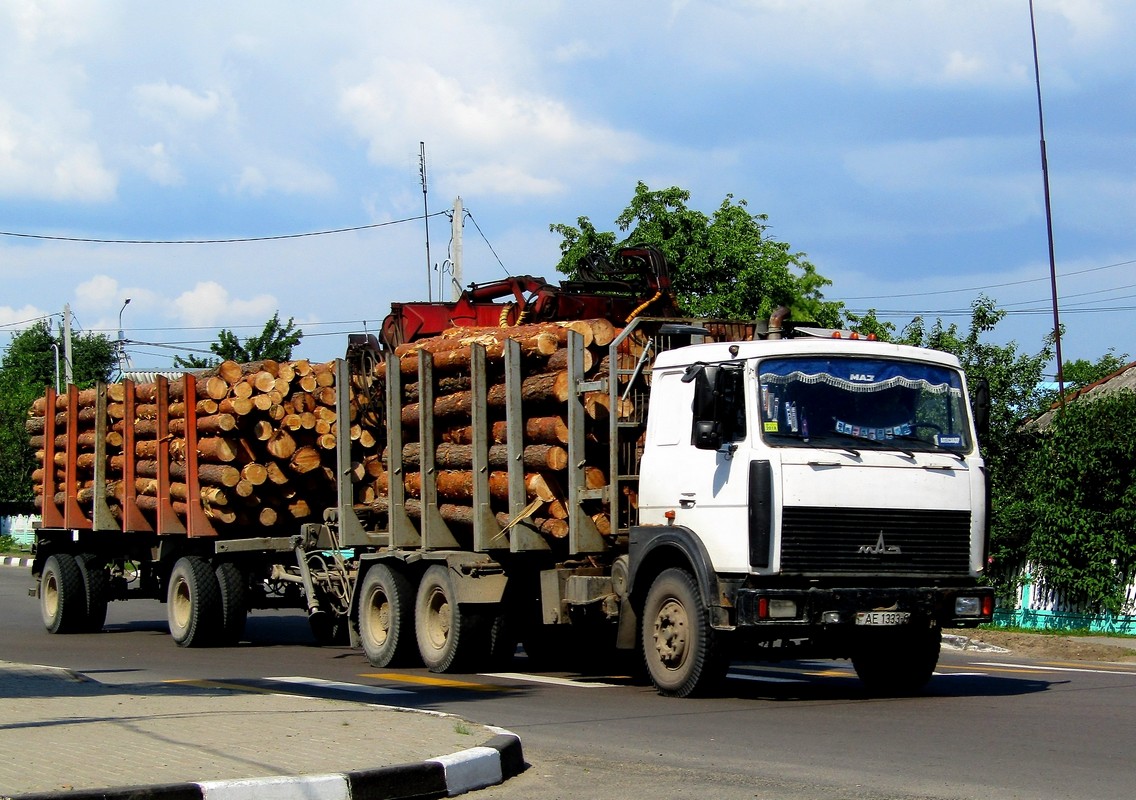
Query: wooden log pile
x=544, y=392
x=266, y=439
x=267, y=435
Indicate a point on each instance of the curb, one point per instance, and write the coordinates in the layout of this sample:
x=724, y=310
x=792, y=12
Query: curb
x=16, y=561
x=494, y=762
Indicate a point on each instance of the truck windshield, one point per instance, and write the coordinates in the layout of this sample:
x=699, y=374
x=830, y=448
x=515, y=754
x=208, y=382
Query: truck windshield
x=860, y=403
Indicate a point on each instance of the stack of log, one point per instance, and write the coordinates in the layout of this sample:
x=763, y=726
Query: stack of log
x=544, y=392
x=267, y=435
x=266, y=439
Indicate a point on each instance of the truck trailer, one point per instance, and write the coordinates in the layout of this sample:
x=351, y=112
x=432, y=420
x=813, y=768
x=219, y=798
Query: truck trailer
x=693, y=491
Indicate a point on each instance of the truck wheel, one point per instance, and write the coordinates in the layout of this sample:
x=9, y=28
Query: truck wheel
x=897, y=662
x=682, y=652
x=445, y=633
x=96, y=591
x=386, y=617
x=62, y=600
x=234, y=602
x=193, y=603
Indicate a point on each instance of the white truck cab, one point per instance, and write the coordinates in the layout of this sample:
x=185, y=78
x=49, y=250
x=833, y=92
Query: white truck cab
x=833, y=488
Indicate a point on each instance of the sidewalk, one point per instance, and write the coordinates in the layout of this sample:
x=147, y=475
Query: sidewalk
x=65, y=736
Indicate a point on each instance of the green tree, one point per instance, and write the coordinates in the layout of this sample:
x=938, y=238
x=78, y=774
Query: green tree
x=722, y=265
x=1015, y=381
x=1075, y=504
x=275, y=342
x=27, y=367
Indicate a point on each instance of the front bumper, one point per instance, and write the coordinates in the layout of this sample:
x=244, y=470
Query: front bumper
x=832, y=607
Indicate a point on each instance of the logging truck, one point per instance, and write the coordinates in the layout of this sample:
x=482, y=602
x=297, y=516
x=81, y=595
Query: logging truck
x=692, y=491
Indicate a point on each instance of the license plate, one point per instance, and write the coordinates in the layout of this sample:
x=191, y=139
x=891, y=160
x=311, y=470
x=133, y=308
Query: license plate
x=883, y=617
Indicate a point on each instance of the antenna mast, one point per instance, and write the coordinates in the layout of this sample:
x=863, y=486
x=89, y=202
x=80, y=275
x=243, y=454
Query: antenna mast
x=425, y=216
x=1048, y=216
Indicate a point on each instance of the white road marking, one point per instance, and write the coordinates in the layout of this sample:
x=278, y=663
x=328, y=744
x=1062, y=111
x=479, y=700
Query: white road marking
x=355, y=688
x=1041, y=668
x=549, y=679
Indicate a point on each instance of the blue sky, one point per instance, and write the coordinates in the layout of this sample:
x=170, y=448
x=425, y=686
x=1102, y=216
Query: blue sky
x=895, y=142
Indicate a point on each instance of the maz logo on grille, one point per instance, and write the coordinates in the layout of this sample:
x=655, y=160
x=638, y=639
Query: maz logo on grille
x=880, y=548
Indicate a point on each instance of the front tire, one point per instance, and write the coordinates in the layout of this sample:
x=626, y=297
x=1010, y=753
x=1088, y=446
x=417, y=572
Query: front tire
x=193, y=603
x=386, y=617
x=897, y=662
x=683, y=654
x=62, y=597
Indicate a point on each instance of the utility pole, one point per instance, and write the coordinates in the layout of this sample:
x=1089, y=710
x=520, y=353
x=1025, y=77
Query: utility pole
x=425, y=218
x=68, y=370
x=1048, y=218
x=456, y=258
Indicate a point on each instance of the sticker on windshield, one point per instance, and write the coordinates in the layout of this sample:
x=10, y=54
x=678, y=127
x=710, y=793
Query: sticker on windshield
x=873, y=434
x=948, y=441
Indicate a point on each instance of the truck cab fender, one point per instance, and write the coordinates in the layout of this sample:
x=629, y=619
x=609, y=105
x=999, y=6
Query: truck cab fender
x=654, y=548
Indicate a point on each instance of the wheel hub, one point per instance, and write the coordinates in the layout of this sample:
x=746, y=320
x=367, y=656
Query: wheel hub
x=671, y=625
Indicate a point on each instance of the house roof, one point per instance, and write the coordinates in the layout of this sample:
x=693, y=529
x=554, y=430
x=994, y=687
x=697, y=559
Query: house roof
x=1123, y=379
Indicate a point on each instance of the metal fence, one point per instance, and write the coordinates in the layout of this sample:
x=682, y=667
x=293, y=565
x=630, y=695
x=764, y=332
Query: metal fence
x=1038, y=606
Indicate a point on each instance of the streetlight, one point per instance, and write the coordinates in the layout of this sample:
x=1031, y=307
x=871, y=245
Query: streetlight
x=121, y=338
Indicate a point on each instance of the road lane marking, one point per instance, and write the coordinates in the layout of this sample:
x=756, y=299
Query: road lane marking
x=436, y=683
x=749, y=676
x=207, y=684
x=354, y=688
x=552, y=680
x=1041, y=668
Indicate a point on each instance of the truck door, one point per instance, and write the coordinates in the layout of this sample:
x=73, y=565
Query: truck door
x=697, y=460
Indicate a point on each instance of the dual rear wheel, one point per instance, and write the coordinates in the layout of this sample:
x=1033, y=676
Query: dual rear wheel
x=73, y=593
x=400, y=623
x=206, y=605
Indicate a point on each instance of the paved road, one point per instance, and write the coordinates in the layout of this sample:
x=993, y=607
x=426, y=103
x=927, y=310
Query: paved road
x=991, y=726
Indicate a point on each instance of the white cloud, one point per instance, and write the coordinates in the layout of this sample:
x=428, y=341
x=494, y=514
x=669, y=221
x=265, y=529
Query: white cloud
x=284, y=176
x=163, y=101
x=16, y=319
x=42, y=160
x=209, y=303
x=515, y=141
x=156, y=162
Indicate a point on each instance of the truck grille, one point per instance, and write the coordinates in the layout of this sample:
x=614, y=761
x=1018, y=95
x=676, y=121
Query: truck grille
x=874, y=540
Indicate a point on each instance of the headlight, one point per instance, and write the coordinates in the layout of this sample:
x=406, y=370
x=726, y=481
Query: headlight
x=968, y=606
x=782, y=609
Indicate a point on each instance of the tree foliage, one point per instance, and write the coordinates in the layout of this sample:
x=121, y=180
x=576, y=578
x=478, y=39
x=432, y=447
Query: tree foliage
x=722, y=265
x=27, y=367
x=275, y=342
x=1074, y=501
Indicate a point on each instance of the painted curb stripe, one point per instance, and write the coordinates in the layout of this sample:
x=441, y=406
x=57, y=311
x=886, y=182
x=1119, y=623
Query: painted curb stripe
x=476, y=768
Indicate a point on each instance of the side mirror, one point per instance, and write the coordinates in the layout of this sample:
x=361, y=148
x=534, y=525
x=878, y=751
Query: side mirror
x=707, y=434
x=980, y=402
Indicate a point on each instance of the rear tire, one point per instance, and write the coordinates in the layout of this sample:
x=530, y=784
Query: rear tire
x=234, y=602
x=447, y=636
x=683, y=654
x=96, y=590
x=386, y=617
x=193, y=603
x=62, y=597
x=897, y=662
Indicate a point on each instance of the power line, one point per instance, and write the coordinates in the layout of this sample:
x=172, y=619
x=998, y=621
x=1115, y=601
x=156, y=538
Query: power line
x=992, y=285
x=237, y=240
